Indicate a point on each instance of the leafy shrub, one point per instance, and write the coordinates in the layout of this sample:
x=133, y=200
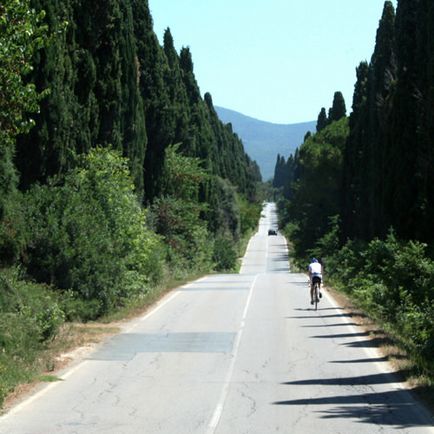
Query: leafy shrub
x=89, y=234
x=13, y=231
x=393, y=281
x=30, y=302
x=30, y=315
x=189, y=244
x=225, y=254
x=249, y=214
x=417, y=327
x=77, y=308
x=223, y=214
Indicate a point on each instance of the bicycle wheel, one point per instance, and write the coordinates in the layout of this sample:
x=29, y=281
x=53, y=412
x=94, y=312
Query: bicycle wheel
x=315, y=294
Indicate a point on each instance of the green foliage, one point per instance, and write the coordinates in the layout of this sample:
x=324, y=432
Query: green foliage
x=338, y=109
x=182, y=175
x=189, y=246
x=176, y=215
x=31, y=314
x=315, y=194
x=13, y=228
x=90, y=68
x=393, y=281
x=223, y=215
x=322, y=121
x=21, y=35
x=249, y=215
x=224, y=254
x=89, y=234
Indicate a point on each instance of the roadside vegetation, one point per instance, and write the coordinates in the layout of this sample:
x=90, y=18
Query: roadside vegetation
x=358, y=193
x=117, y=179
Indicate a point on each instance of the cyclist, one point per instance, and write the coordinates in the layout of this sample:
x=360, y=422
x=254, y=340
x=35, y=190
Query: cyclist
x=315, y=274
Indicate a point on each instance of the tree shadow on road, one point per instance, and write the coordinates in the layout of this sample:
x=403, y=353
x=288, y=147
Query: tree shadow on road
x=387, y=408
x=342, y=324
x=380, y=378
x=394, y=407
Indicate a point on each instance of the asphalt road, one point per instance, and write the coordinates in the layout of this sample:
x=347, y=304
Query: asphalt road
x=230, y=354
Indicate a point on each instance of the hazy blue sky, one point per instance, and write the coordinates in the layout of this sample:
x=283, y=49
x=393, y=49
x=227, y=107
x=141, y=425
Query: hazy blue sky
x=276, y=60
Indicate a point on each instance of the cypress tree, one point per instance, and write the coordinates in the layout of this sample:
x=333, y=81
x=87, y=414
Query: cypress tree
x=277, y=178
x=178, y=95
x=382, y=76
x=401, y=197
x=322, y=121
x=186, y=63
x=424, y=90
x=132, y=125
x=338, y=109
x=152, y=65
x=353, y=204
x=47, y=149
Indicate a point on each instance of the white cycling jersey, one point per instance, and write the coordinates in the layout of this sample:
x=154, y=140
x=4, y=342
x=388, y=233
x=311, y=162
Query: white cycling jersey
x=315, y=269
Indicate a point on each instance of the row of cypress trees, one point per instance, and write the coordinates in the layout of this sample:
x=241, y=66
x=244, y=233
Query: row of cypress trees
x=112, y=83
x=387, y=177
x=389, y=158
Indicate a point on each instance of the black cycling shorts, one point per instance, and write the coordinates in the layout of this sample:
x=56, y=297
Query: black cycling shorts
x=316, y=279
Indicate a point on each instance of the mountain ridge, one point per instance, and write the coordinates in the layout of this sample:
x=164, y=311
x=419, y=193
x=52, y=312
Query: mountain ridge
x=264, y=140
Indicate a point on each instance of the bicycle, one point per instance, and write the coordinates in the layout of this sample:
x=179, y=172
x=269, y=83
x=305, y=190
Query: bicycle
x=316, y=294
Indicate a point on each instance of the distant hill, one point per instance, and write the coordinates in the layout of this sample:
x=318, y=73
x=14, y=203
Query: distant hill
x=264, y=140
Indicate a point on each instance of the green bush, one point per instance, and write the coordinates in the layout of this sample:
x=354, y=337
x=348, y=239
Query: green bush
x=393, y=281
x=30, y=302
x=88, y=234
x=225, y=254
x=188, y=242
x=30, y=315
x=416, y=325
x=223, y=214
x=13, y=230
x=249, y=214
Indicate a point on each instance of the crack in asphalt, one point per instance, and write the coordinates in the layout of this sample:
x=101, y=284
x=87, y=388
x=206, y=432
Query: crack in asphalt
x=253, y=404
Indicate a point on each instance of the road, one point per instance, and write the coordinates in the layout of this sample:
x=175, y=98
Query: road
x=229, y=354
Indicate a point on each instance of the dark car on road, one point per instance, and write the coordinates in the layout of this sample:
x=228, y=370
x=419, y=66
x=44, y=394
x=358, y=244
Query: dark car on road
x=272, y=232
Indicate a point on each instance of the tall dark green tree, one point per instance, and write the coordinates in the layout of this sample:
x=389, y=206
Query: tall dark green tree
x=133, y=128
x=425, y=128
x=322, y=120
x=152, y=65
x=177, y=94
x=278, y=172
x=49, y=147
x=402, y=198
x=353, y=211
x=382, y=77
x=338, y=110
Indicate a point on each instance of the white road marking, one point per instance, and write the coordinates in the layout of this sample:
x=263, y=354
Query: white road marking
x=221, y=403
